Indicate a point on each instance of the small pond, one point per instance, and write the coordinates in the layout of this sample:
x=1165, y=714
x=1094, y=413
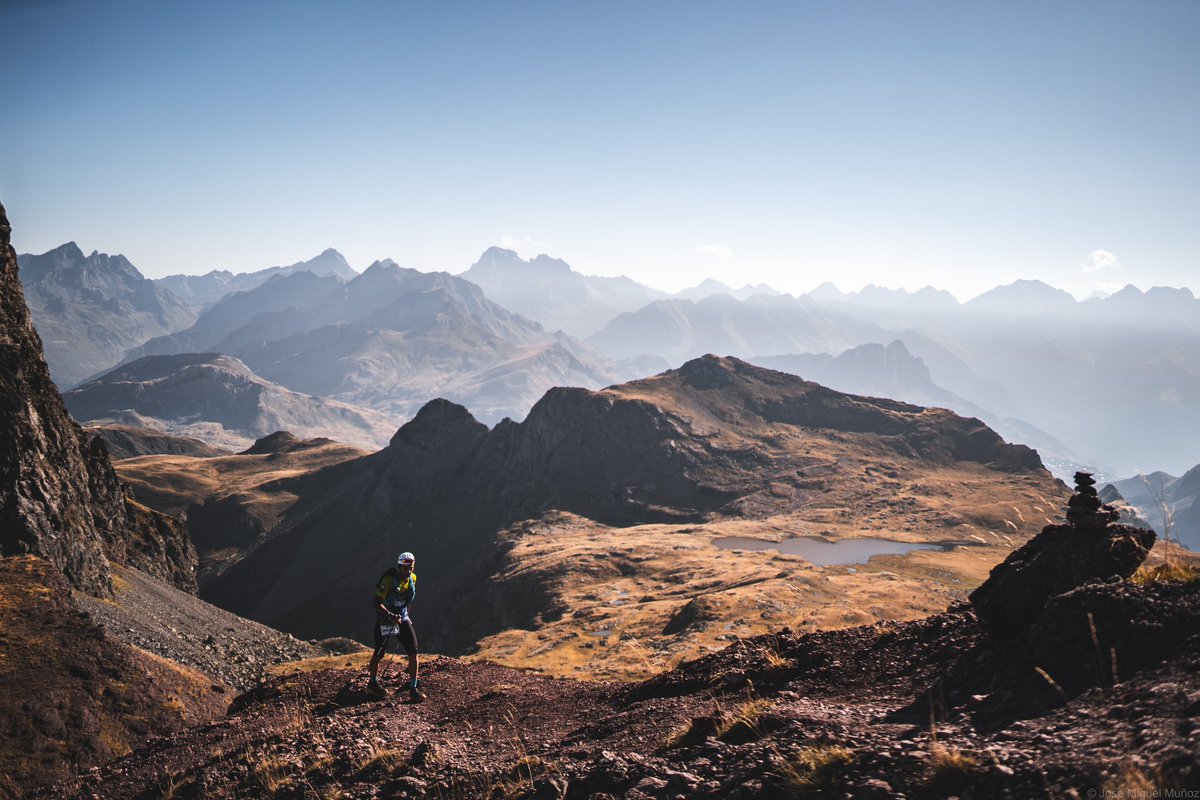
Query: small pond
x=825, y=553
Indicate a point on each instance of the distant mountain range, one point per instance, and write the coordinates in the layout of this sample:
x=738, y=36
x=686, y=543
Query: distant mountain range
x=548, y=291
x=678, y=330
x=390, y=339
x=215, y=398
x=206, y=289
x=89, y=310
x=1169, y=504
x=874, y=370
x=1115, y=380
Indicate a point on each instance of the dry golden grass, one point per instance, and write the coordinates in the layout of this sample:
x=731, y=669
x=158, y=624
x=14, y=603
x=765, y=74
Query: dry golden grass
x=272, y=774
x=947, y=769
x=746, y=715
x=745, y=718
x=1174, y=571
x=814, y=771
x=351, y=661
x=171, y=482
x=621, y=586
x=1132, y=779
x=381, y=761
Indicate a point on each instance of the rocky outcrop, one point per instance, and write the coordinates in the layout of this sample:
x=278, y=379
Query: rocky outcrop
x=59, y=496
x=1106, y=631
x=1059, y=559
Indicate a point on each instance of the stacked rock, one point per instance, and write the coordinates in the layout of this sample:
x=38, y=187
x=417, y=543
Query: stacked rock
x=1085, y=509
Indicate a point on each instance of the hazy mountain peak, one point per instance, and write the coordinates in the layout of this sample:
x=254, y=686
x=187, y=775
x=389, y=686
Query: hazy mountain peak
x=499, y=259
x=1180, y=293
x=546, y=290
x=826, y=292
x=497, y=252
x=1023, y=297
x=385, y=265
x=546, y=262
x=327, y=262
x=69, y=250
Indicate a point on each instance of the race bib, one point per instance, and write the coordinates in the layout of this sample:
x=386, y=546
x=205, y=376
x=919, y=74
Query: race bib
x=389, y=630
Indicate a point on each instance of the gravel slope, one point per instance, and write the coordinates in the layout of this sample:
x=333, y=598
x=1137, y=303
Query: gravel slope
x=184, y=628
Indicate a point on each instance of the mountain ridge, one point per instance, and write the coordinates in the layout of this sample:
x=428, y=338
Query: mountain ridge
x=217, y=399
x=90, y=309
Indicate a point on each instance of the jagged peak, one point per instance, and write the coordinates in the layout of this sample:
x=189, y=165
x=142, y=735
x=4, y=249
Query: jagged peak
x=68, y=250
x=437, y=417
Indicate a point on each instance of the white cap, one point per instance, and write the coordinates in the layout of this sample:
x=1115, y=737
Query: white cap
x=406, y=557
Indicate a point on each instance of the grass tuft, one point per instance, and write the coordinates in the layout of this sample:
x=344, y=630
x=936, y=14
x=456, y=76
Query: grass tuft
x=948, y=770
x=1167, y=572
x=743, y=723
x=273, y=774
x=814, y=771
x=746, y=716
x=383, y=761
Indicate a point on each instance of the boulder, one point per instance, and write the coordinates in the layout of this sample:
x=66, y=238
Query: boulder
x=1057, y=560
x=1102, y=633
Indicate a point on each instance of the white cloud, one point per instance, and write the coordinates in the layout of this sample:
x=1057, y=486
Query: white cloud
x=524, y=244
x=718, y=250
x=1100, y=259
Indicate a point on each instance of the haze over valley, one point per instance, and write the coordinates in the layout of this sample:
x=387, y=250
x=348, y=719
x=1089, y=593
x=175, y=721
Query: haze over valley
x=390, y=339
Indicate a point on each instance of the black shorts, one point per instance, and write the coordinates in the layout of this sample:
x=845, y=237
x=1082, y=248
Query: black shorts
x=402, y=631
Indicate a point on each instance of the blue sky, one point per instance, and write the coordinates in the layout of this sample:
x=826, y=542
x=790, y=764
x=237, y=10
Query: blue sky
x=959, y=144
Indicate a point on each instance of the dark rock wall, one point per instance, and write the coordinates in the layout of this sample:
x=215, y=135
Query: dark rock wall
x=59, y=496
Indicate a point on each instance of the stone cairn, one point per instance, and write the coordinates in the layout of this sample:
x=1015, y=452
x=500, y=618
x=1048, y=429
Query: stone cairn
x=1084, y=509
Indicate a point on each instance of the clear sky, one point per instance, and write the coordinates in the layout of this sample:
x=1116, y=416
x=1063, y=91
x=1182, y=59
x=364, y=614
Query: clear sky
x=958, y=144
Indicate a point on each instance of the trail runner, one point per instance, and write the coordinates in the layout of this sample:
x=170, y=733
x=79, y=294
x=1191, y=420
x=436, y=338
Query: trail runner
x=393, y=594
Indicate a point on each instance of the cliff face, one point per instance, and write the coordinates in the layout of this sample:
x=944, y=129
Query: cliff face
x=59, y=496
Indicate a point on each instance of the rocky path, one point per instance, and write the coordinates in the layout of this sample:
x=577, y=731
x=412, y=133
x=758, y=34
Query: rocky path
x=932, y=708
